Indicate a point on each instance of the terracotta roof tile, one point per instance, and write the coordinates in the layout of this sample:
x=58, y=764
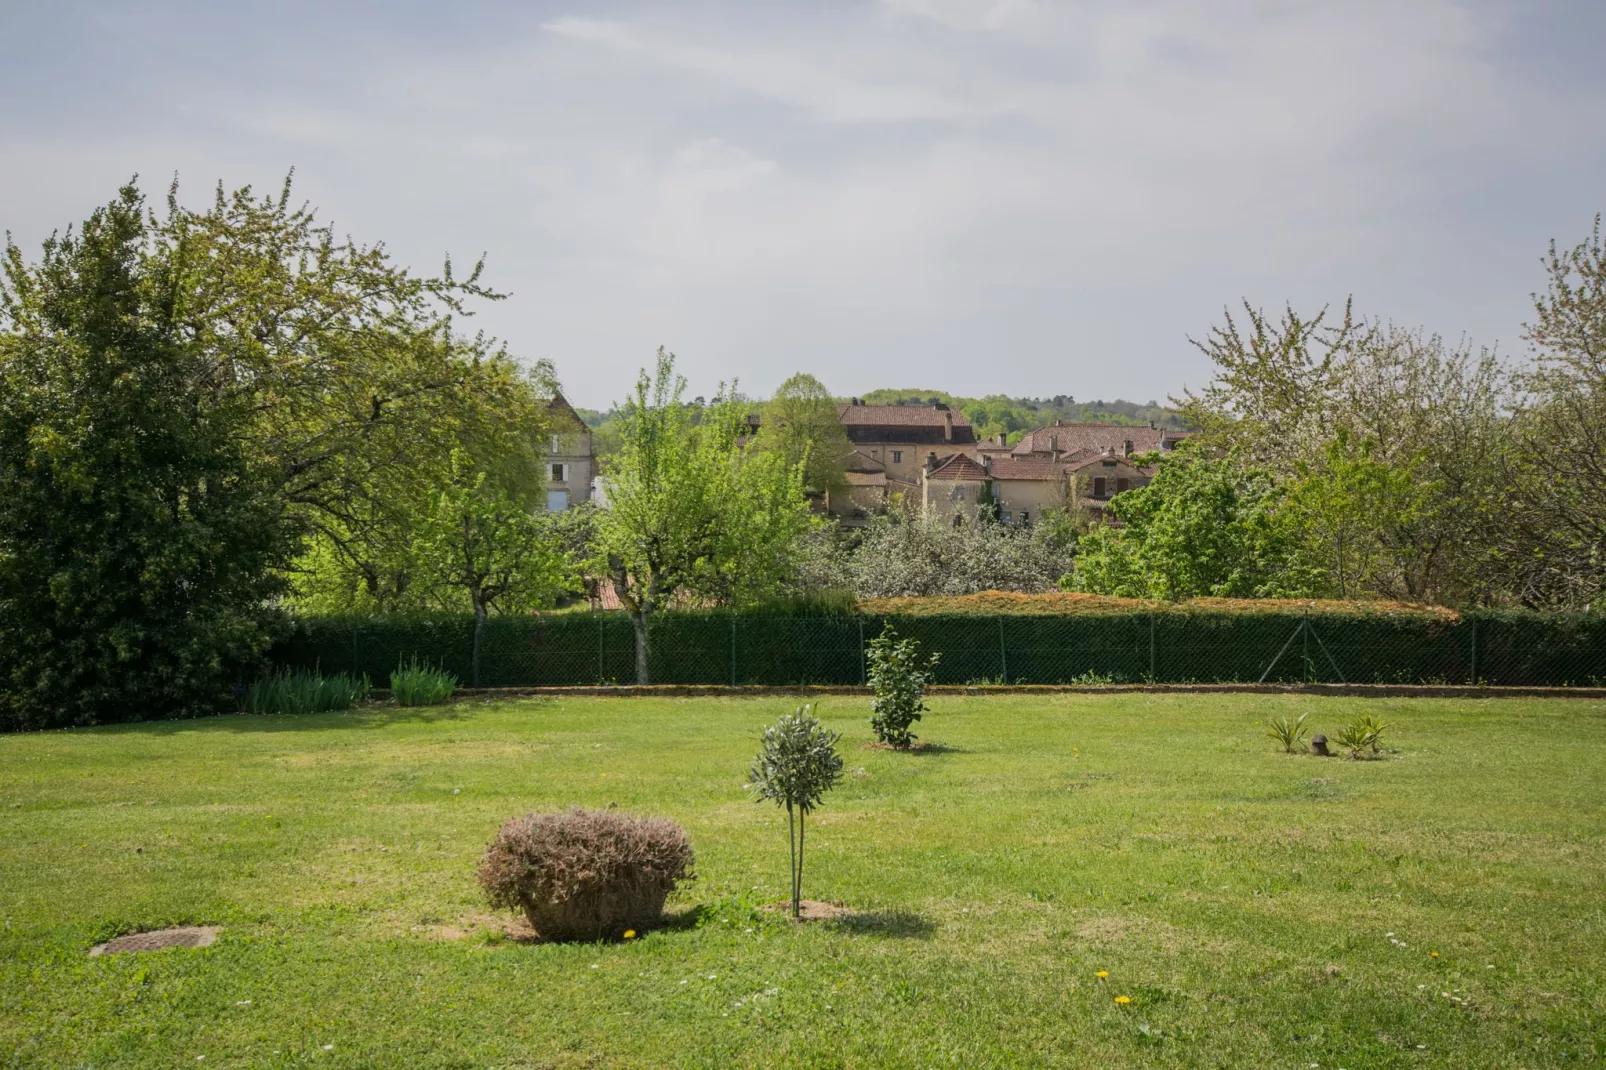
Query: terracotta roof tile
x=1072, y=438
x=956, y=468
x=899, y=415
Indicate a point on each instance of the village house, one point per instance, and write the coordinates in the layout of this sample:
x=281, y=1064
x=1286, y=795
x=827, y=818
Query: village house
x=1050, y=468
x=570, y=467
x=893, y=446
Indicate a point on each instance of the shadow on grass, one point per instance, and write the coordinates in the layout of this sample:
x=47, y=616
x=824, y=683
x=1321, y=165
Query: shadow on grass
x=918, y=750
x=898, y=924
x=371, y=715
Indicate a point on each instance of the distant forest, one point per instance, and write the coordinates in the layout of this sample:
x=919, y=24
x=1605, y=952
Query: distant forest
x=988, y=415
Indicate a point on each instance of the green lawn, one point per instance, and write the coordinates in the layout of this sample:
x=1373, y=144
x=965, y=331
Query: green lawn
x=1242, y=898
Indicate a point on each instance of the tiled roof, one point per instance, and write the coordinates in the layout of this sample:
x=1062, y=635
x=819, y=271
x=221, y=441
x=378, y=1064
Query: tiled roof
x=956, y=468
x=1071, y=438
x=1098, y=460
x=899, y=415
x=1025, y=468
x=865, y=479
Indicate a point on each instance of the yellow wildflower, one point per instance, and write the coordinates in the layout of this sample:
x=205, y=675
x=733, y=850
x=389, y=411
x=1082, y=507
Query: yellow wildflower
x=1102, y=974
x=1123, y=999
x=630, y=934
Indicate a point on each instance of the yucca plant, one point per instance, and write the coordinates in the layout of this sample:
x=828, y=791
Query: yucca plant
x=1373, y=727
x=301, y=691
x=1354, y=737
x=419, y=685
x=1288, y=733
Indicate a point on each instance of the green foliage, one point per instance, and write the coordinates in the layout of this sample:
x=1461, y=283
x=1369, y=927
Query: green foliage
x=800, y=423
x=1289, y=733
x=1205, y=526
x=899, y=677
x=478, y=543
x=694, y=510
x=1093, y=678
x=418, y=685
x=1362, y=735
x=138, y=526
x=301, y=691
x=797, y=764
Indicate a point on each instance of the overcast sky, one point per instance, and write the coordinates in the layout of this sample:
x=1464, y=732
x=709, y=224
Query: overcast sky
x=1022, y=197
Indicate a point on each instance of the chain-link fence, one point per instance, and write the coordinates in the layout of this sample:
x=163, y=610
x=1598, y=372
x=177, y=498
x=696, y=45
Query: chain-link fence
x=1502, y=649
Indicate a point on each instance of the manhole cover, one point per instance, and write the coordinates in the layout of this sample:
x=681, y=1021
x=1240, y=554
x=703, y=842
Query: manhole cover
x=185, y=936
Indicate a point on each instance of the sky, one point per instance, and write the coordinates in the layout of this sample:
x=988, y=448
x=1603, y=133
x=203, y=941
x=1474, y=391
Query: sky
x=978, y=196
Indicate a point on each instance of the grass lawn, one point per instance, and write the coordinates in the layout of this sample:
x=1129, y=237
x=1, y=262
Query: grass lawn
x=1443, y=907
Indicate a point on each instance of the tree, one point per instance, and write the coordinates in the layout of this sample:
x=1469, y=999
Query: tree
x=796, y=765
x=476, y=540
x=903, y=554
x=801, y=424
x=1558, y=470
x=693, y=510
x=138, y=529
x=1204, y=526
x=899, y=676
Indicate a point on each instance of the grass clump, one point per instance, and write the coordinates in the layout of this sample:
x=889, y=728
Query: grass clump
x=418, y=685
x=586, y=874
x=302, y=691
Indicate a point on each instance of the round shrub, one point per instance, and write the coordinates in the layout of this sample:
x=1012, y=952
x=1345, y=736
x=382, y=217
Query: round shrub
x=586, y=874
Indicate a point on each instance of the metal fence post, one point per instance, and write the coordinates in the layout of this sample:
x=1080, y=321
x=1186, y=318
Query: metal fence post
x=1003, y=655
x=1473, y=674
x=1304, y=626
x=599, y=649
x=1153, y=676
x=733, y=651
x=864, y=665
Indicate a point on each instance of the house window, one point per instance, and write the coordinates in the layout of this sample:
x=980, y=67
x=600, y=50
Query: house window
x=1025, y=519
x=560, y=473
x=897, y=456
x=557, y=501
x=1100, y=487
x=959, y=494
x=1122, y=484
x=1006, y=516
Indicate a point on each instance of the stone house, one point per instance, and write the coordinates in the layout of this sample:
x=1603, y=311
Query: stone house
x=570, y=466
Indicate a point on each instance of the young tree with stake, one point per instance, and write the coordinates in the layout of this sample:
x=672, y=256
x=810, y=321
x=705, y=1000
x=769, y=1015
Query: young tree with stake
x=796, y=766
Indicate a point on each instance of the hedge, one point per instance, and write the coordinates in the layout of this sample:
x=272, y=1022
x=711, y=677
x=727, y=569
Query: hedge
x=1166, y=644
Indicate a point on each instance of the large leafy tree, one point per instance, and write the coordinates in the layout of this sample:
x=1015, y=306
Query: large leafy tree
x=693, y=509
x=139, y=525
x=337, y=381
x=1204, y=526
x=801, y=424
x=1557, y=529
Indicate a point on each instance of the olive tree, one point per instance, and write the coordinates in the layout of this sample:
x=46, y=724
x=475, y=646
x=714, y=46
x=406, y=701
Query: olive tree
x=796, y=765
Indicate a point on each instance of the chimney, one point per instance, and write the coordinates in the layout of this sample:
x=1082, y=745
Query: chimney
x=1128, y=447
x=947, y=426
x=1003, y=438
x=931, y=461
x=1054, y=442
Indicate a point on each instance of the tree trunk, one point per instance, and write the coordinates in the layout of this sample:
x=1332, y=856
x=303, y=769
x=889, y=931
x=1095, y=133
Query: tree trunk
x=640, y=621
x=791, y=842
x=797, y=886
x=479, y=636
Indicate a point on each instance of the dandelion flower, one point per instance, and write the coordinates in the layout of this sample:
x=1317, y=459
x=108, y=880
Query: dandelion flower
x=1123, y=1000
x=630, y=934
x=1102, y=974
x=1435, y=954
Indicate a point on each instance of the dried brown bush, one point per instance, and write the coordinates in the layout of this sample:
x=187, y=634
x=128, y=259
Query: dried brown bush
x=586, y=874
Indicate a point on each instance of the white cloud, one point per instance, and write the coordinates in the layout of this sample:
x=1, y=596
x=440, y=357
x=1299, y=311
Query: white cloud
x=1034, y=197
